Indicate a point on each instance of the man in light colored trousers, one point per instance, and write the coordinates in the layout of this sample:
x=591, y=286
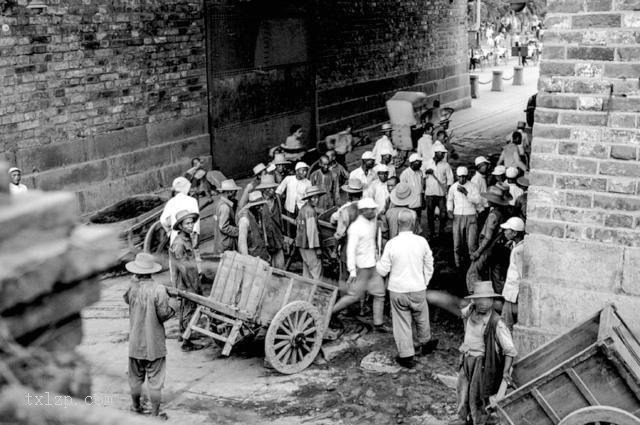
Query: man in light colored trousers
x=408, y=261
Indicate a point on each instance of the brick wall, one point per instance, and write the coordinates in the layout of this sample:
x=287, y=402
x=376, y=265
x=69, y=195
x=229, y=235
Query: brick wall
x=103, y=97
x=583, y=247
x=369, y=50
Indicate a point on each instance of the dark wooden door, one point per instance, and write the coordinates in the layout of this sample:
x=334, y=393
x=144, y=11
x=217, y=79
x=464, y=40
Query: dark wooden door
x=260, y=78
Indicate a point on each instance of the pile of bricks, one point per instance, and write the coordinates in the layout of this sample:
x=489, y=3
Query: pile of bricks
x=50, y=266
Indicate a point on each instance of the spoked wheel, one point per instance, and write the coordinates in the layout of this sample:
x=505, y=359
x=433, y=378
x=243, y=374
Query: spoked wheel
x=600, y=415
x=294, y=337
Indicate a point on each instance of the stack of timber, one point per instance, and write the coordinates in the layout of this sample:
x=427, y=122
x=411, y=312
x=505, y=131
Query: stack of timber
x=49, y=271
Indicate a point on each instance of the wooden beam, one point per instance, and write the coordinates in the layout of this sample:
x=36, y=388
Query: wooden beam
x=553, y=416
x=580, y=385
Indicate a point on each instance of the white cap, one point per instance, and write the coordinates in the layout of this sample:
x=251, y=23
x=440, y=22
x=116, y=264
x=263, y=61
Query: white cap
x=381, y=168
x=181, y=185
x=368, y=155
x=481, y=160
x=514, y=223
x=386, y=126
x=385, y=151
x=439, y=147
x=367, y=203
x=414, y=157
x=512, y=172
x=300, y=165
x=499, y=170
x=462, y=171
x=12, y=169
x=271, y=168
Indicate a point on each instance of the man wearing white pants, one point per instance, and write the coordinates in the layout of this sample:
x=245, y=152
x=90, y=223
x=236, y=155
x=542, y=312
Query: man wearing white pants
x=408, y=261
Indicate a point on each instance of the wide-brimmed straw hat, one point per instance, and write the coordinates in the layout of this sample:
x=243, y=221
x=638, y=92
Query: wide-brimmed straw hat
x=182, y=216
x=255, y=199
x=353, y=186
x=499, y=170
x=259, y=168
x=267, y=181
x=386, y=127
x=143, y=264
x=483, y=289
x=497, y=195
x=401, y=195
x=229, y=186
x=279, y=159
x=313, y=191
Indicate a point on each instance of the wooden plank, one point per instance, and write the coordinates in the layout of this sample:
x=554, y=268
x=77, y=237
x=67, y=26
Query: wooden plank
x=287, y=294
x=580, y=385
x=217, y=316
x=606, y=322
x=556, y=351
x=505, y=416
x=209, y=303
x=545, y=406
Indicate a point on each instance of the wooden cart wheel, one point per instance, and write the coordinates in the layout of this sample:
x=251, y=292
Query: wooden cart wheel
x=294, y=337
x=600, y=415
x=156, y=240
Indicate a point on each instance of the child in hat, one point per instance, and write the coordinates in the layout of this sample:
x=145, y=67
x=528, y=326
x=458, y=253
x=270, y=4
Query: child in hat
x=148, y=310
x=183, y=257
x=514, y=232
x=487, y=355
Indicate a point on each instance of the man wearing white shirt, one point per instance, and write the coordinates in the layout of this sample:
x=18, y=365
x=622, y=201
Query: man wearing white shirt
x=361, y=263
x=515, y=190
x=425, y=146
x=383, y=143
x=514, y=232
x=462, y=201
x=408, y=261
x=438, y=179
x=180, y=202
x=480, y=180
x=414, y=177
x=378, y=190
x=15, y=187
x=295, y=187
x=365, y=173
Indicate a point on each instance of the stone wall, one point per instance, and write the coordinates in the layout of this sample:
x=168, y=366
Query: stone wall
x=583, y=247
x=369, y=50
x=103, y=97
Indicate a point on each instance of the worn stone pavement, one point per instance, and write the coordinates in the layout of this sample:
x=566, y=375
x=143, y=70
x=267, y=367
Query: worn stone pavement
x=202, y=388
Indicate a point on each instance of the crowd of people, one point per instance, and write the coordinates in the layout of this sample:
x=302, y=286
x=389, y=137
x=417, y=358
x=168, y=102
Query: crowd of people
x=385, y=221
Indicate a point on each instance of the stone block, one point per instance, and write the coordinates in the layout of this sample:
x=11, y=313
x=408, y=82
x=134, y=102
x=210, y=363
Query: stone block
x=546, y=116
x=580, y=183
x=73, y=177
x=583, y=118
x=173, y=130
x=578, y=200
x=53, y=308
x=611, y=20
x=192, y=147
x=139, y=161
x=544, y=146
x=591, y=53
x=631, y=20
x=624, y=152
x=621, y=185
x=621, y=70
x=631, y=271
x=609, y=202
x=555, y=52
x=558, y=22
x=618, y=220
x=545, y=196
x=593, y=150
x=621, y=136
x=562, y=6
x=592, y=70
x=556, y=101
x=36, y=218
x=551, y=132
x=585, y=265
x=622, y=120
x=54, y=155
x=619, y=237
x=590, y=103
x=567, y=148
x=556, y=69
x=627, y=5
x=528, y=339
x=599, y=5
x=120, y=141
x=547, y=228
x=528, y=297
x=625, y=169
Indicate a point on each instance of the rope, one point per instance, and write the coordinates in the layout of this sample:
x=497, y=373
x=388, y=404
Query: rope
x=486, y=82
x=490, y=81
x=507, y=79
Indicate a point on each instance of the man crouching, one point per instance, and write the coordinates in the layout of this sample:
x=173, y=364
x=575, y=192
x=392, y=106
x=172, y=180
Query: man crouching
x=487, y=355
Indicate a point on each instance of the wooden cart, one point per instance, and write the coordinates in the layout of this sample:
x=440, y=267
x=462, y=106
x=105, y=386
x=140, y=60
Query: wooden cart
x=248, y=294
x=590, y=375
